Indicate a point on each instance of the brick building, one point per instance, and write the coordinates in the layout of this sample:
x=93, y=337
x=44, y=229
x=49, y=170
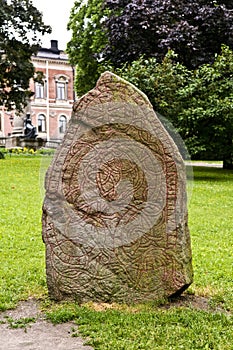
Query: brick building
x=51, y=105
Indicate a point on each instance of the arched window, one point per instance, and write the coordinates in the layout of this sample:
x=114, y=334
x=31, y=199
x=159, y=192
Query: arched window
x=41, y=123
x=62, y=124
x=61, y=87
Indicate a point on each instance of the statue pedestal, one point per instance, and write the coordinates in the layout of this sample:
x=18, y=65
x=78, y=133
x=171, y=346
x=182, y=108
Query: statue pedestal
x=13, y=142
x=21, y=142
x=18, y=129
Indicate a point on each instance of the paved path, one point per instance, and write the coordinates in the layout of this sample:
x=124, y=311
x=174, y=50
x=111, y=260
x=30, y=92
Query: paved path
x=204, y=163
x=39, y=335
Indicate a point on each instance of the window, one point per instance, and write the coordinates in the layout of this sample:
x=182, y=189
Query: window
x=61, y=87
x=39, y=90
x=62, y=124
x=41, y=123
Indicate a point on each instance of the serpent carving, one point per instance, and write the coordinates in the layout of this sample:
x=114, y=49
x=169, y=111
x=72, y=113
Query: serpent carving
x=115, y=212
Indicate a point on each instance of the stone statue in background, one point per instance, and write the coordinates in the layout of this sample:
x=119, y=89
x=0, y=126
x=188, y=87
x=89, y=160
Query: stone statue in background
x=29, y=129
x=115, y=213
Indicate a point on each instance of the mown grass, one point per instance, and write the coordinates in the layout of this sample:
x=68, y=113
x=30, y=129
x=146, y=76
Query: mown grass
x=211, y=227
x=146, y=326
x=21, y=246
x=149, y=328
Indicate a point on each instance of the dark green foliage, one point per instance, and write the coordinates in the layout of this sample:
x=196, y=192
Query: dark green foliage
x=87, y=43
x=208, y=110
x=140, y=33
x=199, y=103
x=114, y=32
x=20, y=25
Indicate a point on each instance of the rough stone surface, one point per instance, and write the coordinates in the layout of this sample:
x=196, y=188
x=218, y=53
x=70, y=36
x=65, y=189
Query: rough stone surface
x=115, y=214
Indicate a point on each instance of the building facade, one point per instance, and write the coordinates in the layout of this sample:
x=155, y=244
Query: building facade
x=50, y=107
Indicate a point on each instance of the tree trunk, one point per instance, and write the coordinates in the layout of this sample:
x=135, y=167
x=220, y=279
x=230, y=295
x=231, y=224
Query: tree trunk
x=228, y=163
x=228, y=156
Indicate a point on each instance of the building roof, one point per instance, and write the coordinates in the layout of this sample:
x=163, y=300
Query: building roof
x=53, y=52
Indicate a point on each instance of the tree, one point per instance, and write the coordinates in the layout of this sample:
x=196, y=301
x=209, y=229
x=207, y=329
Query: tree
x=194, y=29
x=208, y=109
x=87, y=43
x=113, y=32
x=20, y=26
x=199, y=103
x=133, y=38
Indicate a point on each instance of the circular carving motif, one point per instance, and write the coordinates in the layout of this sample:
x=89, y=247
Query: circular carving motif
x=115, y=216
x=116, y=184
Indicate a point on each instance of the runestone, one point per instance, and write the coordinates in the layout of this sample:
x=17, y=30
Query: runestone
x=115, y=209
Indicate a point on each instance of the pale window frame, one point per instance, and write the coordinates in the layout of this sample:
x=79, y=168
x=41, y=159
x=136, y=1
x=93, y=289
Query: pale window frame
x=62, y=123
x=41, y=122
x=40, y=90
x=61, y=82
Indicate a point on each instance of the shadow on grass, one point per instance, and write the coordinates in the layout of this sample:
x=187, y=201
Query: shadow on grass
x=202, y=173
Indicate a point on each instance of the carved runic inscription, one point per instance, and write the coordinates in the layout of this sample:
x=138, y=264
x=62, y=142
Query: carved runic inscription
x=115, y=214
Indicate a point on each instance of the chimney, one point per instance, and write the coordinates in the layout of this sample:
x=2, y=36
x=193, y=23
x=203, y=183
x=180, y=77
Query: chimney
x=54, y=46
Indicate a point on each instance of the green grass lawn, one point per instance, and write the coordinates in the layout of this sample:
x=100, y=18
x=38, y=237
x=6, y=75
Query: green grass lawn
x=211, y=226
x=147, y=326
x=21, y=247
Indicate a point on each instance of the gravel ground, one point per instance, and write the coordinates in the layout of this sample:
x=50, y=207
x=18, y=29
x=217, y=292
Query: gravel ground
x=38, y=335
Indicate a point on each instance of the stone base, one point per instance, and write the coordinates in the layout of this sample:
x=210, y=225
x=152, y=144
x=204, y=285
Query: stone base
x=21, y=142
